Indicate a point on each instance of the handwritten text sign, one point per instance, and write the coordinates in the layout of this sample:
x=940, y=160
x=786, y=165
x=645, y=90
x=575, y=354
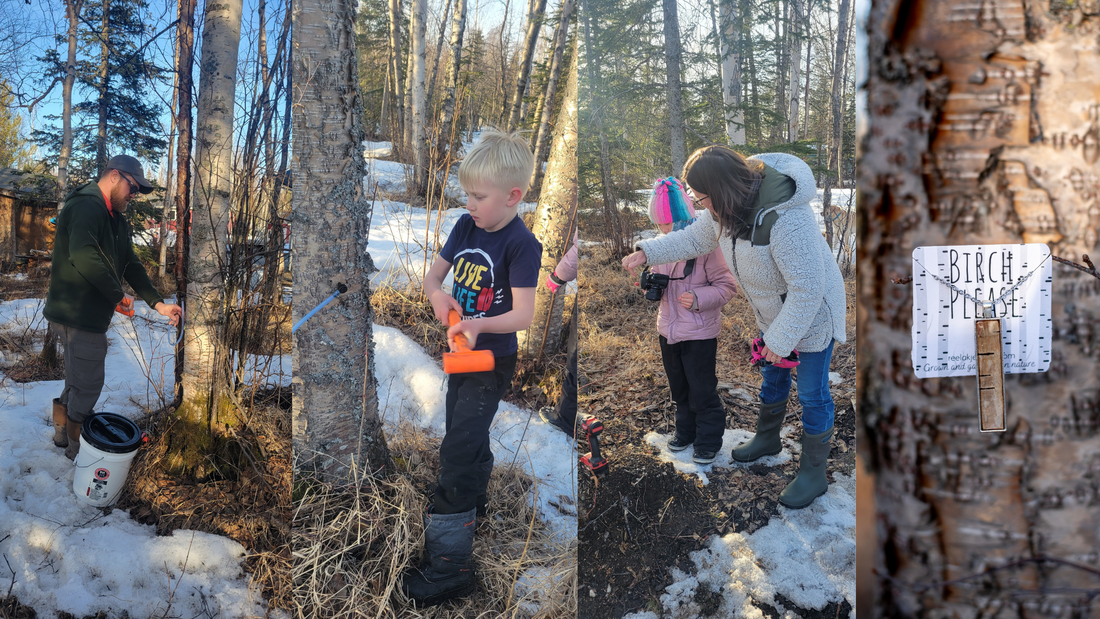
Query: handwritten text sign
x=943, y=320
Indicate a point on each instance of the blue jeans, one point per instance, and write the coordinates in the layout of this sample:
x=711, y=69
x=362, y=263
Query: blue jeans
x=813, y=388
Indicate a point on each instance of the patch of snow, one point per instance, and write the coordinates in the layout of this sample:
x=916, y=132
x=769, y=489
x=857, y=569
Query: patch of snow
x=681, y=460
x=75, y=558
x=374, y=150
x=806, y=555
x=411, y=391
x=835, y=379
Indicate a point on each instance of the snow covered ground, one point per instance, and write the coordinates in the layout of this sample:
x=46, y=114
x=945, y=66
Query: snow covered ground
x=70, y=557
x=806, y=555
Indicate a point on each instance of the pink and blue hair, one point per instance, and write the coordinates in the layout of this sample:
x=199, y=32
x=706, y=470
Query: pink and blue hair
x=670, y=204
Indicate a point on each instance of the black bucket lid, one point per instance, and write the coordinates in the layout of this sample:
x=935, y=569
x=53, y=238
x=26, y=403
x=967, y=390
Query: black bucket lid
x=111, y=433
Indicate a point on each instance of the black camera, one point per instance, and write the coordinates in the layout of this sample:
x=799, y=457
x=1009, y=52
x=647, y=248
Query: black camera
x=653, y=284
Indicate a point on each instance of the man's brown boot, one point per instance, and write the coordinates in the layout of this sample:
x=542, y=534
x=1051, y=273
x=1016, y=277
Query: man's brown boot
x=72, y=428
x=60, y=416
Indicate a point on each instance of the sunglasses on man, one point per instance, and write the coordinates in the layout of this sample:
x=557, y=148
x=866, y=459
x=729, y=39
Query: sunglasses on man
x=134, y=188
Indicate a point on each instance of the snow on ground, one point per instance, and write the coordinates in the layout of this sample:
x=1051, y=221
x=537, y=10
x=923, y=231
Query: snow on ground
x=70, y=557
x=411, y=391
x=375, y=150
x=681, y=460
x=807, y=556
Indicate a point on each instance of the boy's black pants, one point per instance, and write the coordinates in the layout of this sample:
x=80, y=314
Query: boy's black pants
x=465, y=460
x=700, y=416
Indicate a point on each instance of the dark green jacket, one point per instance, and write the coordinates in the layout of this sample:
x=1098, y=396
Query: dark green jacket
x=92, y=255
x=775, y=189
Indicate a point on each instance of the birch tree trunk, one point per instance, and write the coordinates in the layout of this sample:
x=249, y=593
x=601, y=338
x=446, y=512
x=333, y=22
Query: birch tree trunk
x=206, y=405
x=104, y=88
x=795, y=63
x=335, y=406
x=978, y=131
x=534, y=24
x=438, y=53
x=542, y=142
x=732, y=26
x=419, y=136
x=398, y=80
x=673, y=52
x=185, y=43
x=555, y=218
x=446, y=125
x=779, y=129
x=836, y=101
x=72, y=11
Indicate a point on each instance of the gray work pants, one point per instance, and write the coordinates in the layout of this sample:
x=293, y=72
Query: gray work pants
x=85, y=353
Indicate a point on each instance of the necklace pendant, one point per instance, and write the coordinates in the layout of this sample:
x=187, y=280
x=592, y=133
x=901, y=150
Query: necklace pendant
x=991, y=375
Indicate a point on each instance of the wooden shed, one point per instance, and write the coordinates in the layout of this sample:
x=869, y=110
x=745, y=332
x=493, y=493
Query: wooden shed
x=26, y=206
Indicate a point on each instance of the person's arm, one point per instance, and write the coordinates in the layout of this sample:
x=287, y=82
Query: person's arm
x=722, y=286
x=698, y=239
x=442, y=303
x=799, y=262
x=519, y=319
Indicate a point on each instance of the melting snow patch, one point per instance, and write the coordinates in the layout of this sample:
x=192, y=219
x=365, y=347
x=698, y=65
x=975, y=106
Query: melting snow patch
x=681, y=460
x=807, y=556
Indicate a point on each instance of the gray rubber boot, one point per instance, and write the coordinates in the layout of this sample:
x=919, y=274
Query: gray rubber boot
x=447, y=570
x=810, y=482
x=769, y=421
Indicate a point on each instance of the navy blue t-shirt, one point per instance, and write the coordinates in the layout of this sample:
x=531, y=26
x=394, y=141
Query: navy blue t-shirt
x=487, y=265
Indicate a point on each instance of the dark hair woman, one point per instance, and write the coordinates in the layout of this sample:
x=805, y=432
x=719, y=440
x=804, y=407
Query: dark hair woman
x=758, y=212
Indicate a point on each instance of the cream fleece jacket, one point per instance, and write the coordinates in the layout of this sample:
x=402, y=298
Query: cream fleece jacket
x=793, y=284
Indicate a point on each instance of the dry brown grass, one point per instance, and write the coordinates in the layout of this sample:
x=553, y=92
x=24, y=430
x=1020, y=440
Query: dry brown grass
x=352, y=545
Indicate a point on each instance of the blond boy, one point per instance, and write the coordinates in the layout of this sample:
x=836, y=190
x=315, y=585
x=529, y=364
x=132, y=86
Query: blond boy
x=496, y=264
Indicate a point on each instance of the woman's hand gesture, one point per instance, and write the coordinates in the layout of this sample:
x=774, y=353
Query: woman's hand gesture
x=634, y=261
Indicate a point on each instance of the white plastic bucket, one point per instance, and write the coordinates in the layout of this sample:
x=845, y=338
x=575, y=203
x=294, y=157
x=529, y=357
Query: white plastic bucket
x=108, y=443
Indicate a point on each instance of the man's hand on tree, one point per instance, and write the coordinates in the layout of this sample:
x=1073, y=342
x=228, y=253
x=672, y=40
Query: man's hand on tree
x=173, y=312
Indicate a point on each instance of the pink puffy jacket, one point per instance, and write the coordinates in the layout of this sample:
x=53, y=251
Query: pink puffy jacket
x=713, y=285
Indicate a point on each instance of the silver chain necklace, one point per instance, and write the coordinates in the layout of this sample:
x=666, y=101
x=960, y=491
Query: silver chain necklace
x=989, y=351
x=977, y=301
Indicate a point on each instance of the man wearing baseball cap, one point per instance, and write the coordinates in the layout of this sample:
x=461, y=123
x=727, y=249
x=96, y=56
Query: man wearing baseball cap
x=92, y=256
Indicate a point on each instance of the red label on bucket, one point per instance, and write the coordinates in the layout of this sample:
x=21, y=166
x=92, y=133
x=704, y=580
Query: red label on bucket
x=102, y=473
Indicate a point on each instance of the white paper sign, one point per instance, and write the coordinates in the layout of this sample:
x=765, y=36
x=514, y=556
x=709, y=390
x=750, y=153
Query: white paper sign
x=944, y=340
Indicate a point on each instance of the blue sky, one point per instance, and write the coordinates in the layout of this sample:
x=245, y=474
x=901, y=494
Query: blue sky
x=159, y=14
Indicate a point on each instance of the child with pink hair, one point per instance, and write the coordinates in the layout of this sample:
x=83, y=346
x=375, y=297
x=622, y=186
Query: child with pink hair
x=689, y=320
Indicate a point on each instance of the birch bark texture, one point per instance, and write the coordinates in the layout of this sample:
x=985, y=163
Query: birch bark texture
x=335, y=410
x=418, y=26
x=555, y=218
x=458, y=29
x=732, y=25
x=542, y=141
x=205, y=370
x=72, y=13
x=978, y=132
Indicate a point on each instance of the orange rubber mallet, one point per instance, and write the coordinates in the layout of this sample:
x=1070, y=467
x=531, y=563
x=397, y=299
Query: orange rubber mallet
x=466, y=361
x=125, y=307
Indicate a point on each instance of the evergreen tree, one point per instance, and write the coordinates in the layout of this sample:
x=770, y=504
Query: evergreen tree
x=113, y=73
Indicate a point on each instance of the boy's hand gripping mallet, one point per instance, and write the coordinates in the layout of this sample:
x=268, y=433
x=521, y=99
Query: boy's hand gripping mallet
x=466, y=361
x=592, y=428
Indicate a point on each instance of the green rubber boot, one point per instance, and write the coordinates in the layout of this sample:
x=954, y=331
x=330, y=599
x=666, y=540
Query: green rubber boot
x=769, y=422
x=810, y=482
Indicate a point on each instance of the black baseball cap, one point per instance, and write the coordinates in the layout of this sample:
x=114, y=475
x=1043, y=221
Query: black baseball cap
x=131, y=166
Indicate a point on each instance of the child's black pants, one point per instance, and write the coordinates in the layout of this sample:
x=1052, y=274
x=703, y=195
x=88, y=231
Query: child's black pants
x=465, y=460
x=699, y=413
